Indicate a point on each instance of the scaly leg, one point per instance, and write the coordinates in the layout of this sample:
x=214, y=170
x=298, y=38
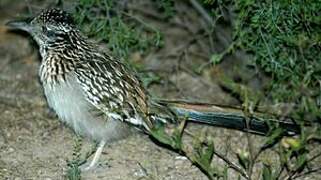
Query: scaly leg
x=98, y=152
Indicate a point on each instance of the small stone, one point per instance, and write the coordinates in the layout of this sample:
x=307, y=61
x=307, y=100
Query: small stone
x=10, y=150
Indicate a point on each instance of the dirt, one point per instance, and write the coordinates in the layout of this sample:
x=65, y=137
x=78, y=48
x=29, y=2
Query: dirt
x=34, y=144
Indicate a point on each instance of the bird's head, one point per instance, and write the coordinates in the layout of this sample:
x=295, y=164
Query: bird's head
x=50, y=26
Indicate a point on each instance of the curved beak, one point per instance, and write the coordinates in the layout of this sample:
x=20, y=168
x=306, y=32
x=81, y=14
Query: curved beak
x=23, y=24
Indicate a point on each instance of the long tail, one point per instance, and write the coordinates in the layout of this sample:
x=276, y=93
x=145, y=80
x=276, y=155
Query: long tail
x=229, y=117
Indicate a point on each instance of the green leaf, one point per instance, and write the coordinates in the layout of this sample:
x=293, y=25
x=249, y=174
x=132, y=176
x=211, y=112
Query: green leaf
x=225, y=173
x=243, y=158
x=301, y=162
x=73, y=173
x=274, y=137
x=150, y=78
x=160, y=135
x=267, y=173
x=207, y=153
x=216, y=58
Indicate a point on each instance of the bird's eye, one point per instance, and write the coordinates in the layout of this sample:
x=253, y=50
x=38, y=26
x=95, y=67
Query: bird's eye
x=49, y=32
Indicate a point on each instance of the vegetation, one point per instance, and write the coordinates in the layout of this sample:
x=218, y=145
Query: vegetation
x=283, y=39
x=122, y=32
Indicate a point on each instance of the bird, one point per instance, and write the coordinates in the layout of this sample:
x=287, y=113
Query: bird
x=101, y=98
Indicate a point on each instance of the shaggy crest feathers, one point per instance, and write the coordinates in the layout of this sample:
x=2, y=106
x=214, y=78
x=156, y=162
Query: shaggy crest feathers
x=55, y=15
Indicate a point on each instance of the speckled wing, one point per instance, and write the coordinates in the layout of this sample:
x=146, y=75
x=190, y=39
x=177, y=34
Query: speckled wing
x=114, y=90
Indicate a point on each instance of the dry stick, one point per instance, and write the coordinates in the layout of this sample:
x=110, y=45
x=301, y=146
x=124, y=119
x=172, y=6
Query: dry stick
x=186, y=19
x=208, y=19
x=290, y=175
x=28, y=4
x=202, y=11
x=314, y=157
x=280, y=172
x=139, y=20
x=143, y=169
x=249, y=142
x=193, y=74
x=177, y=52
x=307, y=172
x=200, y=55
x=225, y=159
x=195, y=35
x=184, y=46
x=182, y=56
x=295, y=174
x=157, y=17
x=231, y=164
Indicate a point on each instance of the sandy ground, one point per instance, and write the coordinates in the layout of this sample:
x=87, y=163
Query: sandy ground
x=34, y=144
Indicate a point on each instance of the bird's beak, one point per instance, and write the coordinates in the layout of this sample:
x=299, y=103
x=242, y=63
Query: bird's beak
x=20, y=25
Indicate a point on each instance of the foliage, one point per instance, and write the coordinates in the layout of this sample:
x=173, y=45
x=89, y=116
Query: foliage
x=167, y=6
x=284, y=40
x=108, y=21
x=73, y=171
x=124, y=34
x=201, y=153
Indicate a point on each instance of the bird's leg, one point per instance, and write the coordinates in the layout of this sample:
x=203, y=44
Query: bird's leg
x=94, y=162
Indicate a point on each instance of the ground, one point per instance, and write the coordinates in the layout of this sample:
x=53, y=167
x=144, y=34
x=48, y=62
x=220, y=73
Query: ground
x=34, y=144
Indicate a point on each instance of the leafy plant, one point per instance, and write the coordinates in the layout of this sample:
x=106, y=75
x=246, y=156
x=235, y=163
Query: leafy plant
x=283, y=40
x=108, y=21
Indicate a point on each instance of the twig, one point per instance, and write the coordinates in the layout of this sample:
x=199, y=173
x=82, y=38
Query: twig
x=306, y=173
x=194, y=38
x=146, y=12
x=147, y=26
x=143, y=169
x=248, y=113
x=193, y=74
x=280, y=172
x=225, y=159
x=314, y=157
x=232, y=165
x=28, y=4
x=295, y=174
x=202, y=11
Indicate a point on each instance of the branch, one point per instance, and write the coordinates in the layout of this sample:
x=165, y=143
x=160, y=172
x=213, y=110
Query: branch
x=202, y=11
x=225, y=159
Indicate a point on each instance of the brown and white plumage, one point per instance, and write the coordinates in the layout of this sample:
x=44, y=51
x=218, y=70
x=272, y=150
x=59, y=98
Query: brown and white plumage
x=95, y=94
x=106, y=83
x=98, y=96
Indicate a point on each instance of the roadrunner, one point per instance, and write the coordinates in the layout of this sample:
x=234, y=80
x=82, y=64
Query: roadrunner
x=100, y=97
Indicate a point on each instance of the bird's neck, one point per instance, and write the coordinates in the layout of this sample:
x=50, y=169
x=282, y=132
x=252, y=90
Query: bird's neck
x=60, y=57
x=73, y=45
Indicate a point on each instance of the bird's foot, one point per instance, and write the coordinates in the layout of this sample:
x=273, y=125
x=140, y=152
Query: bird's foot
x=88, y=167
x=94, y=163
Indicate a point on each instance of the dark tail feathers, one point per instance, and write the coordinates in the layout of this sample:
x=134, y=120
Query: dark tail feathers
x=229, y=117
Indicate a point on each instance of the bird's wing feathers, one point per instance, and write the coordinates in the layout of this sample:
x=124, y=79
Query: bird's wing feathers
x=114, y=90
